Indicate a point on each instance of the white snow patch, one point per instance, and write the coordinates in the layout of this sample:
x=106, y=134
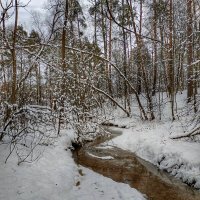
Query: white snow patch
x=104, y=147
x=103, y=158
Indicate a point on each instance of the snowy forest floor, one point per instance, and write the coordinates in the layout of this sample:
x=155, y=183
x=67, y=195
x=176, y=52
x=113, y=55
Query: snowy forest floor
x=55, y=176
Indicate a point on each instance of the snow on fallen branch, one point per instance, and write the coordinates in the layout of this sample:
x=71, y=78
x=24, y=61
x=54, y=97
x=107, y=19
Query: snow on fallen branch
x=194, y=132
x=101, y=91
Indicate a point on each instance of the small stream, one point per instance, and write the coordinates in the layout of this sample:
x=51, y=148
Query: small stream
x=124, y=166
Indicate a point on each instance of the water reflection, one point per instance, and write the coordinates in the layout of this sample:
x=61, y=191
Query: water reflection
x=139, y=174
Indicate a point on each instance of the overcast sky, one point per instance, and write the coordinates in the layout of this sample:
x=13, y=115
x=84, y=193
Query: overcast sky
x=25, y=13
x=35, y=5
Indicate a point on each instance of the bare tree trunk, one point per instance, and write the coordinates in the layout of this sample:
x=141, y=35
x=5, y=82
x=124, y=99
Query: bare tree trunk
x=64, y=30
x=110, y=54
x=38, y=78
x=124, y=58
x=105, y=42
x=190, y=82
x=155, y=48
x=95, y=23
x=196, y=40
x=170, y=71
x=14, y=61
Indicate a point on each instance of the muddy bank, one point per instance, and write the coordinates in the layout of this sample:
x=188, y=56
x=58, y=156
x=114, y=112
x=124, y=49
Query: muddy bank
x=126, y=167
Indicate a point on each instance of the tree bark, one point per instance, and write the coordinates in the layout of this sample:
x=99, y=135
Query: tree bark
x=190, y=82
x=155, y=48
x=14, y=61
x=170, y=71
x=64, y=30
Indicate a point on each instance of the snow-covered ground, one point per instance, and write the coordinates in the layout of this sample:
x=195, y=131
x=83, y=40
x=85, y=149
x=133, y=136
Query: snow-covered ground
x=55, y=176
x=96, y=187
x=153, y=142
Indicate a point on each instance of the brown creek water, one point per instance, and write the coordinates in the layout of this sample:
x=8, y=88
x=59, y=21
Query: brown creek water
x=127, y=168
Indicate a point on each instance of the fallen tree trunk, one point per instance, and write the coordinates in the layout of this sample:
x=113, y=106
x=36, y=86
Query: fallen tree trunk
x=115, y=102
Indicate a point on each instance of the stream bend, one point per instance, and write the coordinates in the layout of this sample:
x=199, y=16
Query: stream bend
x=124, y=166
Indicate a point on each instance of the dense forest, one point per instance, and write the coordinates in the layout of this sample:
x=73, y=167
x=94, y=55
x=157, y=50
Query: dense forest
x=57, y=74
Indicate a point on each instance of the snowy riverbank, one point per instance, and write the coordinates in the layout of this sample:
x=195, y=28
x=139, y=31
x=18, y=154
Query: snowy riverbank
x=153, y=141
x=55, y=176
